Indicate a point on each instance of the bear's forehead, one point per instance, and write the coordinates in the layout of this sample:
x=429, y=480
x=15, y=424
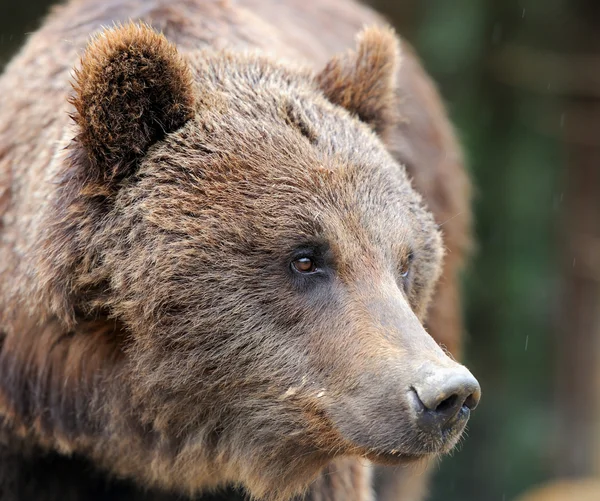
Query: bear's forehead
x=263, y=156
x=279, y=184
x=259, y=163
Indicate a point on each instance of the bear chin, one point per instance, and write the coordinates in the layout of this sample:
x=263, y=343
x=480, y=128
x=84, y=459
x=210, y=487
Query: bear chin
x=394, y=458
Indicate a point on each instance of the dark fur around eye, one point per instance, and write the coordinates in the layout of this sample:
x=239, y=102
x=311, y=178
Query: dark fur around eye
x=310, y=262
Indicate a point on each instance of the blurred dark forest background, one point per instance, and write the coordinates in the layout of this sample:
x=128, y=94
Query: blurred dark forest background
x=521, y=79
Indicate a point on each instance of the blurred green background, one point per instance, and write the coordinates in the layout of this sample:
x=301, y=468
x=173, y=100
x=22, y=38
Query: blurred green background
x=521, y=79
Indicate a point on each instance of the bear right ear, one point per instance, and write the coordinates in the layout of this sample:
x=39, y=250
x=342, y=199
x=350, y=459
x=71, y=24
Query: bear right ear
x=132, y=88
x=364, y=81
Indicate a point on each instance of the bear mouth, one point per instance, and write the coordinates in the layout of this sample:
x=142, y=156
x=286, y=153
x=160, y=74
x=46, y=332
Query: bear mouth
x=394, y=458
x=442, y=444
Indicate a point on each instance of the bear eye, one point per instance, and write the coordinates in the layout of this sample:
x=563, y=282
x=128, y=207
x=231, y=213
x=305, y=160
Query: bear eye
x=304, y=265
x=405, y=267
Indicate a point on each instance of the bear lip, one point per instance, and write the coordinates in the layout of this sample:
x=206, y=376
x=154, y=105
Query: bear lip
x=394, y=458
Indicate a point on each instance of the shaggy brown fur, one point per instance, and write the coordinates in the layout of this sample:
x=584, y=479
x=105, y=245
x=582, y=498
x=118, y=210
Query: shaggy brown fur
x=152, y=325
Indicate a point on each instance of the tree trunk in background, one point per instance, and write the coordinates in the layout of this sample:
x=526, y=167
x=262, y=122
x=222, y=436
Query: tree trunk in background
x=578, y=405
x=579, y=351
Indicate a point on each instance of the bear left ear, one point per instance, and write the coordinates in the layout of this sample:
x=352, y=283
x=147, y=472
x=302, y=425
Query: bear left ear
x=364, y=81
x=132, y=88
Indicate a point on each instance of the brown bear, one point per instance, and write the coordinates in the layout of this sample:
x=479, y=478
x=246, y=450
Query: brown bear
x=221, y=229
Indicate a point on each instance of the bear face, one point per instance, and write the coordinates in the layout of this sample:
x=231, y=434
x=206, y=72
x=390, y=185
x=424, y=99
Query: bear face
x=268, y=262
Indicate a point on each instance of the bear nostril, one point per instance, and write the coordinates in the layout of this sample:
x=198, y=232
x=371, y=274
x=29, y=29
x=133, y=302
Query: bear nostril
x=472, y=400
x=447, y=404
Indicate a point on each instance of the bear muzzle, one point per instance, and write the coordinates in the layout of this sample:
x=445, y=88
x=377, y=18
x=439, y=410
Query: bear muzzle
x=408, y=399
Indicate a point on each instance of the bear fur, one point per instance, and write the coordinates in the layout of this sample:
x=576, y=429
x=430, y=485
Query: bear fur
x=154, y=177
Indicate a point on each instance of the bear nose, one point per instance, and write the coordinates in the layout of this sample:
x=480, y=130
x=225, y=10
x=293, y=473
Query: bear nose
x=444, y=399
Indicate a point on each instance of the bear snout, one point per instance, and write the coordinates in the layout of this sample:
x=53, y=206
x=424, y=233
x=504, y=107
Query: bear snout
x=409, y=398
x=417, y=413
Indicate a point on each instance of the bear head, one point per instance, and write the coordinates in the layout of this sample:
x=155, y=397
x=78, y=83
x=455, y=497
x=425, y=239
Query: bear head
x=265, y=263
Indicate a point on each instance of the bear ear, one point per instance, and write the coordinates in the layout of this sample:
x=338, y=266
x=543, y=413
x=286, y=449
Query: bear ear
x=364, y=81
x=132, y=88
